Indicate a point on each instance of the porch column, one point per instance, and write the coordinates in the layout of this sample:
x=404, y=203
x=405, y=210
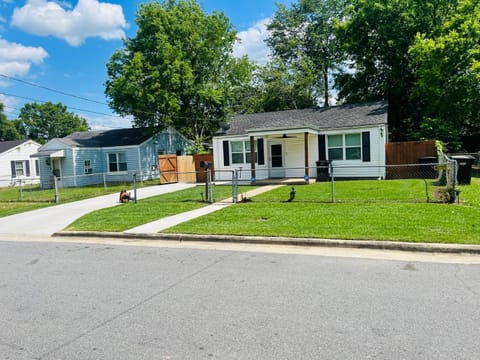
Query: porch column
x=305, y=141
x=252, y=157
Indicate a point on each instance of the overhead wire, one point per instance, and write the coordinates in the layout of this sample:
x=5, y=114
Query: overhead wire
x=77, y=97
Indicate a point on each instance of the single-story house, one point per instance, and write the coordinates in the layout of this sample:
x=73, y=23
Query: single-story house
x=15, y=162
x=93, y=157
x=291, y=144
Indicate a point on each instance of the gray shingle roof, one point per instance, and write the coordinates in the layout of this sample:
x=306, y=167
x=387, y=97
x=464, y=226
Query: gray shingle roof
x=106, y=138
x=7, y=145
x=343, y=116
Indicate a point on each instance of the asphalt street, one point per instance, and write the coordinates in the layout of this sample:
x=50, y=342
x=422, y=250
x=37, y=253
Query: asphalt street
x=111, y=301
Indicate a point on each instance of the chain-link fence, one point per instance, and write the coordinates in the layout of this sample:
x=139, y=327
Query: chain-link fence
x=68, y=188
x=428, y=181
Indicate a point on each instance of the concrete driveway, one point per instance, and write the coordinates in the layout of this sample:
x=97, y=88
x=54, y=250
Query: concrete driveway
x=52, y=219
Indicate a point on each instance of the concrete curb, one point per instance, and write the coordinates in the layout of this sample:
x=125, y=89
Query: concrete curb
x=357, y=244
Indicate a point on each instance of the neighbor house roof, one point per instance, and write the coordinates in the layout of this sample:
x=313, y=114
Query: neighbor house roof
x=343, y=116
x=106, y=138
x=7, y=145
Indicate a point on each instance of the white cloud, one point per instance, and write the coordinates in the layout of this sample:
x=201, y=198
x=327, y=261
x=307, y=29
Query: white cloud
x=10, y=104
x=107, y=122
x=90, y=18
x=252, y=42
x=16, y=59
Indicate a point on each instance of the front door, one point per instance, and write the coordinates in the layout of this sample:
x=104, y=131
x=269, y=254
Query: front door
x=57, y=170
x=276, y=161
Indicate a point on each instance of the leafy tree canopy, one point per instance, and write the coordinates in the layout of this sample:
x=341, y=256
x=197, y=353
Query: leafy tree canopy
x=448, y=76
x=277, y=86
x=306, y=32
x=8, y=131
x=43, y=122
x=178, y=70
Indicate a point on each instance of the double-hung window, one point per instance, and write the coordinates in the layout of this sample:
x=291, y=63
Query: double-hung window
x=20, y=168
x=87, y=167
x=117, y=162
x=241, y=152
x=345, y=147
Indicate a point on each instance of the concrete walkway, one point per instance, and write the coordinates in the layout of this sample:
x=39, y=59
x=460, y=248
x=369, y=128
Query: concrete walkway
x=52, y=219
x=167, y=222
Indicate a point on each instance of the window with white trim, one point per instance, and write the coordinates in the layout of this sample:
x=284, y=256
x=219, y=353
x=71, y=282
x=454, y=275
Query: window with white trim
x=345, y=147
x=19, y=168
x=117, y=162
x=87, y=167
x=240, y=152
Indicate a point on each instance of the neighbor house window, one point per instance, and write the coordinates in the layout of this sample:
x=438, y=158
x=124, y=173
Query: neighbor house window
x=344, y=147
x=117, y=162
x=241, y=152
x=87, y=167
x=20, y=168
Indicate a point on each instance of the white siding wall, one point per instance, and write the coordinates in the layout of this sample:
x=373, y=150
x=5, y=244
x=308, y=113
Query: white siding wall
x=375, y=168
x=19, y=153
x=294, y=156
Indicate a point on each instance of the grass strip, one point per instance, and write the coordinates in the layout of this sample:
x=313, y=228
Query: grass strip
x=364, y=210
x=400, y=222
x=130, y=215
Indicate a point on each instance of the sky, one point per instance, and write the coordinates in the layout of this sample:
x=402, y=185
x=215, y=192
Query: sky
x=57, y=50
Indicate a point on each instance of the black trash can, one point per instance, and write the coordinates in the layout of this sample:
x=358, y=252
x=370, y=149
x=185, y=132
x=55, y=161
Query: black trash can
x=427, y=171
x=323, y=168
x=464, y=168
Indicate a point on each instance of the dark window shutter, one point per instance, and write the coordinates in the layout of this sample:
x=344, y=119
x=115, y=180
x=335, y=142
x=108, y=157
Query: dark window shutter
x=260, y=152
x=37, y=169
x=366, y=146
x=14, y=173
x=322, y=151
x=27, y=166
x=226, y=154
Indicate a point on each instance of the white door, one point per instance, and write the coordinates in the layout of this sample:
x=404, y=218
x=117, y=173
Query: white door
x=276, y=161
x=57, y=170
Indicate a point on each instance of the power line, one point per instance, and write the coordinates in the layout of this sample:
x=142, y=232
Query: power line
x=80, y=98
x=70, y=107
x=52, y=90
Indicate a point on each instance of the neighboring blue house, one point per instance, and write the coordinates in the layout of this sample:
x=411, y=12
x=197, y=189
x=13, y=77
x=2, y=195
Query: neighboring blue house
x=93, y=157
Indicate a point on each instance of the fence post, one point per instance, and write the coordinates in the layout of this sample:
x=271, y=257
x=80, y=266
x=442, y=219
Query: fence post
x=135, y=187
x=20, y=192
x=235, y=186
x=209, y=186
x=55, y=184
x=330, y=165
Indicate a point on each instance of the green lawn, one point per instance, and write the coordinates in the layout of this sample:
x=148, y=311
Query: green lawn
x=389, y=212
x=129, y=215
x=375, y=210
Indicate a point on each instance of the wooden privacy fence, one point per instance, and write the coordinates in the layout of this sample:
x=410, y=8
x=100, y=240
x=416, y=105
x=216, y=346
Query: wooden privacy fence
x=408, y=152
x=168, y=169
x=184, y=169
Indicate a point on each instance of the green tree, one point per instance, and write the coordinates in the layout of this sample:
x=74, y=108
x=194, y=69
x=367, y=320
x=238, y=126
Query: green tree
x=8, y=131
x=448, y=76
x=307, y=33
x=275, y=86
x=43, y=122
x=377, y=35
x=178, y=70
